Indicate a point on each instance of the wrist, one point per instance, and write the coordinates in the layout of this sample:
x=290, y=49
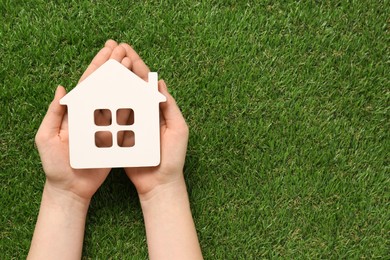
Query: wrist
x=170, y=229
x=173, y=190
x=56, y=198
x=60, y=225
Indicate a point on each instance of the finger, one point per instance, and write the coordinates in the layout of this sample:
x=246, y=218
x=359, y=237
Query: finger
x=64, y=124
x=51, y=123
x=103, y=139
x=128, y=139
x=162, y=119
x=100, y=58
x=138, y=65
x=118, y=53
x=105, y=117
x=170, y=111
x=102, y=117
x=124, y=117
x=126, y=62
x=111, y=44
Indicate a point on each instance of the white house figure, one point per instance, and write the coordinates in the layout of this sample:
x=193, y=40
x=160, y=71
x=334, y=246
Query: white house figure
x=113, y=88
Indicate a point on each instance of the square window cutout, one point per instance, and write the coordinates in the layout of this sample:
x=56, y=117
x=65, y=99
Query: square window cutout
x=102, y=117
x=103, y=139
x=128, y=138
x=125, y=116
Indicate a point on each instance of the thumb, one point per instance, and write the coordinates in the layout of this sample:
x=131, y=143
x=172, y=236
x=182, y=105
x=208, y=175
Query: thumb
x=52, y=121
x=170, y=111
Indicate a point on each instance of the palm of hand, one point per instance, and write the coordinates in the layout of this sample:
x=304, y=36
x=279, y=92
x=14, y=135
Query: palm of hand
x=52, y=139
x=54, y=151
x=174, y=137
x=146, y=179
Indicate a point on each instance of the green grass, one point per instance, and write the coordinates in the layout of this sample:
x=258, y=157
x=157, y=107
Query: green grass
x=288, y=109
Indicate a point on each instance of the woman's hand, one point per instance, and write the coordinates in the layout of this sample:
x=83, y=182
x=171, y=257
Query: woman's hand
x=170, y=229
x=52, y=139
x=59, y=231
x=173, y=136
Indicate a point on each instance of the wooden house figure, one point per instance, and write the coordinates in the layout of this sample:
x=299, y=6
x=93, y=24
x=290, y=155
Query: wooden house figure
x=113, y=88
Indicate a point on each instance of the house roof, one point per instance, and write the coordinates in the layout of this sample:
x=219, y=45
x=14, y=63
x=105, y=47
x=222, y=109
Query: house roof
x=112, y=81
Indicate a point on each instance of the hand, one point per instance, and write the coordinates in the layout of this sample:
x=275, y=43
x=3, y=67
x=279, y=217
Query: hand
x=173, y=135
x=52, y=139
x=169, y=226
x=174, y=138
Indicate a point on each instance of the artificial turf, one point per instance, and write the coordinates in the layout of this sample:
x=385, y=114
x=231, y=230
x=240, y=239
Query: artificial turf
x=287, y=104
